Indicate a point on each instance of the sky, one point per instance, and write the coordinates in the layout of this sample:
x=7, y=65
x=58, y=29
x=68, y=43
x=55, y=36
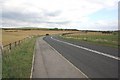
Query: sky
x=66, y=14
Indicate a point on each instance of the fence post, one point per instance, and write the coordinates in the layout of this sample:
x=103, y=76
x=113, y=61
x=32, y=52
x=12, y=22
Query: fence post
x=19, y=42
x=15, y=44
x=10, y=46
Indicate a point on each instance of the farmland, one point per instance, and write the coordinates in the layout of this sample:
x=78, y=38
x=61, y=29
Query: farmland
x=19, y=60
x=9, y=36
x=95, y=37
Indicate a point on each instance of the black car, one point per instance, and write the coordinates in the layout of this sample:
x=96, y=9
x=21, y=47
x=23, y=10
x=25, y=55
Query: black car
x=47, y=34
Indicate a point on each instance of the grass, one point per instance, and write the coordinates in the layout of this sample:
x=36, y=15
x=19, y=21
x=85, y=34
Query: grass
x=0, y=36
x=12, y=36
x=96, y=38
x=17, y=63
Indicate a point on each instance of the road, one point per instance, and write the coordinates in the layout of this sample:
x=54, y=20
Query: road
x=94, y=61
x=48, y=63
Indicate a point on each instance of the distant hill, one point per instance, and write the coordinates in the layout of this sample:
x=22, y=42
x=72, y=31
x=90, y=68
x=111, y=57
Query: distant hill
x=36, y=28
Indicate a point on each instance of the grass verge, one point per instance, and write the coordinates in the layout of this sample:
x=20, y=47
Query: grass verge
x=17, y=63
x=105, y=40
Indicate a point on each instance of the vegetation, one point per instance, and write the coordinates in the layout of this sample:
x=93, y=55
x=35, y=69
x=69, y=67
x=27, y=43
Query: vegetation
x=11, y=35
x=17, y=63
x=103, y=38
x=35, y=28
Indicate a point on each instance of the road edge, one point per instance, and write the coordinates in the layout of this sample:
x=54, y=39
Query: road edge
x=88, y=49
x=33, y=60
x=66, y=59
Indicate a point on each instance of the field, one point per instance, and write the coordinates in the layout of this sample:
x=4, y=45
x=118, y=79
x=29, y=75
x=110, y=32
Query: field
x=9, y=36
x=95, y=37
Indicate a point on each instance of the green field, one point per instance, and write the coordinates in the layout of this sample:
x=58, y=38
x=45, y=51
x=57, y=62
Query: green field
x=17, y=63
x=96, y=38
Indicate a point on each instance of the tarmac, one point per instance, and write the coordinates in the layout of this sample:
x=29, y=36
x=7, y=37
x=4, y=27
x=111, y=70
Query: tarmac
x=48, y=63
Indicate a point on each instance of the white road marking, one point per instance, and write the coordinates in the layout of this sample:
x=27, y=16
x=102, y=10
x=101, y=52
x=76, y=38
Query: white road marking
x=33, y=60
x=68, y=61
x=104, y=54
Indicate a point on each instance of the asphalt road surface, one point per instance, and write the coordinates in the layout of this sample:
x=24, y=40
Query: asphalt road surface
x=93, y=60
x=48, y=63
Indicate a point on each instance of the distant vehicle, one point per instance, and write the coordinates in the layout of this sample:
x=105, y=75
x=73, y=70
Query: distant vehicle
x=47, y=34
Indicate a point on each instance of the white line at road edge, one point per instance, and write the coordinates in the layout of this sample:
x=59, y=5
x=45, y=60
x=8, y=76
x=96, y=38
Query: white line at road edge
x=104, y=54
x=68, y=61
x=33, y=60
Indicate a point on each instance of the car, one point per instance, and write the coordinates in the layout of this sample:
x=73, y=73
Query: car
x=47, y=34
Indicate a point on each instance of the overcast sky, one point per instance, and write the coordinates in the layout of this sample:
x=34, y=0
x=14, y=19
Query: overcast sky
x=73, y=14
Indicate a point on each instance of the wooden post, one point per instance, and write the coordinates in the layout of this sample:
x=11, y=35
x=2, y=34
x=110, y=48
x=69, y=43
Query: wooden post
x=10, y=46
x=19, y=42
x=15, y=44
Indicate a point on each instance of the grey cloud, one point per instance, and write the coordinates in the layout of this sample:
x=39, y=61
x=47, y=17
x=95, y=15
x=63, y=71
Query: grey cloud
x=52, y=14
x=62, y=22
x=26, y=17
x=1, y=2
x=31, y=17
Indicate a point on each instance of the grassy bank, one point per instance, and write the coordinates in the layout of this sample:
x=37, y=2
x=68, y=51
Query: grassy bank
x=96, y=38
x=17, y=63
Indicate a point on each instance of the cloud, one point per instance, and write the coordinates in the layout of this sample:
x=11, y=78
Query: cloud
x=52, y=14
x=15, y=18
x=25, y=17
x=57, y=13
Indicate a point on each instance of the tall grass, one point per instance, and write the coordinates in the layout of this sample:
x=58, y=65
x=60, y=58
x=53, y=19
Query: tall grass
x=102, y=39
x=17, y=63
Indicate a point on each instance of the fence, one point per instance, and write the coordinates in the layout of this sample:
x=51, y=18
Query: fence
x=9, y=46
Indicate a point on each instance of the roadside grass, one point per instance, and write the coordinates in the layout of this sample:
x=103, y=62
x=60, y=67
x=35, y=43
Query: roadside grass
x=17, y=63
x=101, y=39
